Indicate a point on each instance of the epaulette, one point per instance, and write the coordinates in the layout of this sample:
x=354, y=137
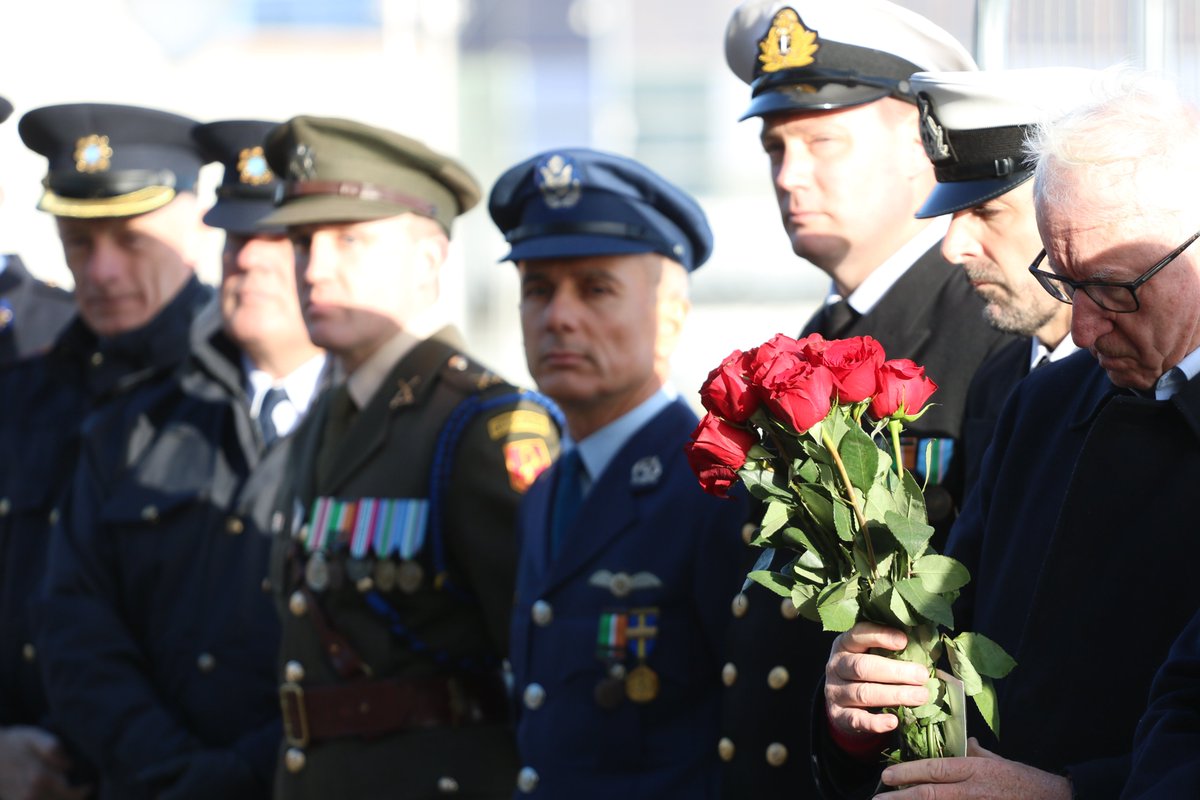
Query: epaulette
x=468, y=375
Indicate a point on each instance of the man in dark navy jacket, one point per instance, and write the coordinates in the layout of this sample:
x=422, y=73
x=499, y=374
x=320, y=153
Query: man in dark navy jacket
x=625, y=562
x=1087, y=487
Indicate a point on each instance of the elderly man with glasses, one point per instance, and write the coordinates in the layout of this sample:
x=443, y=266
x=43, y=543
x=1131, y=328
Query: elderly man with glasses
x=1078, y=534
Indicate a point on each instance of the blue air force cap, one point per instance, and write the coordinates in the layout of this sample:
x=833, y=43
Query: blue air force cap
x=6, y=109
x=974, y=125
x=111, y=160
x=812, y=55
x=577, y=202
x=247, y=191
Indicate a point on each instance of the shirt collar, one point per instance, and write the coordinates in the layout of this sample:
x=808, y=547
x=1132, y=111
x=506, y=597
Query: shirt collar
x=1174, y=378
x=599, y=449
x=883, y=277
x=364, y=382
x=1038, y=350
x=300, y=384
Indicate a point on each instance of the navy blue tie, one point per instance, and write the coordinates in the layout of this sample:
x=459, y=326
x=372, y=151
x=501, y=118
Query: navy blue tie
x=273, y=397
x=568, y=496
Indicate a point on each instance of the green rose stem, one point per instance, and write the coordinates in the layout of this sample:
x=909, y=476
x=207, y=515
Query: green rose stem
x=848, y=488
x=894, y=429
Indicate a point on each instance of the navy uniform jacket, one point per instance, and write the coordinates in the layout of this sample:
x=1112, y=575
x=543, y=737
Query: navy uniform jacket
x=157, y=633
x=46, y=400
x=1082, y=562
x=647, y=522
x=32, y=313
x=448, y=631
x=985, y=398
x=1166, y=753
x=932, y=316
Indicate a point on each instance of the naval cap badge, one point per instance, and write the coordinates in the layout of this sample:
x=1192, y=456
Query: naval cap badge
x=787, y=44
x=933, y=135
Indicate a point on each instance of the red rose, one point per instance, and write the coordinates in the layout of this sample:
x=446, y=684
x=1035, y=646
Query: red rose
x=813, y=347
x=903, y=390
x=717, y=451
x=761, y=359
x=797, y=392
x=854, y=363
x=726, y=392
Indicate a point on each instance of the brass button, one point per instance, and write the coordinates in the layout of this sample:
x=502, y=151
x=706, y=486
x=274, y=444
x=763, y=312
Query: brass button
x=150, y=513
x=457, y=363
x=741, y=604
x=527, y=780
x=777, y=678
x=725, y=748
x=297, y=604
x=542, y=613
x=97, y=358
x=29, y=652
x=788, y=609
x=447, y=785
x=234, y=526
x=294, y=760
x=293, y=672
x=266, y=585
x=54, y=515
x=534, y=696
x=776, y=754
x=729, y=674
x=5, y=506
x=748, y=531
x=205, y=662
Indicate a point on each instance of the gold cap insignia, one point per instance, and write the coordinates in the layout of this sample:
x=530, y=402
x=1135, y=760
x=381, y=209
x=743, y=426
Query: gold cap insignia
x=252, y=167
x=302, y=165
x=557, y=182
x=933, y=135
x=93, y=154
x=788, y=43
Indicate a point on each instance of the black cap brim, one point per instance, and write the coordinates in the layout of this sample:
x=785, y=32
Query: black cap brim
x=799, y=97
x=947, y=198
x=242, y=216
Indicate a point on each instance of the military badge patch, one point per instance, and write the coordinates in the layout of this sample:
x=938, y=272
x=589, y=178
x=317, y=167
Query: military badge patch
x=556, y=180
x=252, y=167
x=787, y=44
x=93, y=154
x=302, y=165
x=933, y=135
x=517, y=422
x=525, y=459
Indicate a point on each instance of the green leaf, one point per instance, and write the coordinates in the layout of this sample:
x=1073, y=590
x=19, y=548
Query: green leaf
x=940, y=573
x=817, y=501
x=843, y=520
x=764, y=483
x=804, y=598
x=913, y=498
x=879, y=501
x=836, y=426
x=776, y=517
x=900, y=609
x=964, y=670
x=930, y=606
x=837, y=605
x=912, y=535
x=809, y=568
x=759, y=453
x=806, y=471
x=779, y=584
x=989, y=709
x=793, y=538
x=860, y=456
x=988, y=657
x=936, y=698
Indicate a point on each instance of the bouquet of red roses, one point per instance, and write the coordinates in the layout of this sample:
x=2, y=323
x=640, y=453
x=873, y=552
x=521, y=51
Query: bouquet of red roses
x=801, y=424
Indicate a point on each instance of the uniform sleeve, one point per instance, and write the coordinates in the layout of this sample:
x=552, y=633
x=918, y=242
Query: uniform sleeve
x=95, y=672
x=499, y=456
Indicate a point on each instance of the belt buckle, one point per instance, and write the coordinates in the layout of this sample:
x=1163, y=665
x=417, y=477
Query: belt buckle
x=291, y=700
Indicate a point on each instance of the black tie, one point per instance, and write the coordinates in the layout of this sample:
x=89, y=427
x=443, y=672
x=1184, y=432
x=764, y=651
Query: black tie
x=273, y=397
x=568, y=496
x=1043, y=361
x=839, y=317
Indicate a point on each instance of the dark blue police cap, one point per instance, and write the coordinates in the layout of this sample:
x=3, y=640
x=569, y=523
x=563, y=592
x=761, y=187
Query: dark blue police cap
x=6, y=109
x=111, y=160
x=578, y=202
x=247, y=191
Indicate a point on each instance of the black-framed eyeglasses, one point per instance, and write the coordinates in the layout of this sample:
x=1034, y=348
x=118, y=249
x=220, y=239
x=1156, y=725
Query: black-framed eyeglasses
x=1117, y=296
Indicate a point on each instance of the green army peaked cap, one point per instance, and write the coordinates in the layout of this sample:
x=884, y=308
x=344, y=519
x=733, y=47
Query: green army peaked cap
x=339, y=170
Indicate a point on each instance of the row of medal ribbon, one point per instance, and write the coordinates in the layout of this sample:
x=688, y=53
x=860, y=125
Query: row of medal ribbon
x=613, y=636
x=367, y=525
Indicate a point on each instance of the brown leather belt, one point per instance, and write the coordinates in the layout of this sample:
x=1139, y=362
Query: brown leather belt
x=373, y=708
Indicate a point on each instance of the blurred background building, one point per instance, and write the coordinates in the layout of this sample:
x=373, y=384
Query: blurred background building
x=494, y=81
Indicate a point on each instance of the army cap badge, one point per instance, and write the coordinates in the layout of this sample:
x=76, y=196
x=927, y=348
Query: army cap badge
x=247, y=191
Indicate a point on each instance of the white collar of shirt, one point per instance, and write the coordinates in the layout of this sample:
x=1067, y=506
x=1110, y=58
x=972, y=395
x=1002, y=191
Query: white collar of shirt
x=883, y=277
x=3, y=263
x=599, y=449
x=1038, y=350
x=300, y=384
x=1174, y=378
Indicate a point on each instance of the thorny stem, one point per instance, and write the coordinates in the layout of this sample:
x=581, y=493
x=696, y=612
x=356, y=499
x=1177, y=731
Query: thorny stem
x=849, y=490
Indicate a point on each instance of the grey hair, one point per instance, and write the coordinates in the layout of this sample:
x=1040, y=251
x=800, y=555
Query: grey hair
x=1134, y=140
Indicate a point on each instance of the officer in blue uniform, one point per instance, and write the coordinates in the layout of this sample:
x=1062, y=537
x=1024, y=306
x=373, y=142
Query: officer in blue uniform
x=32, y=313
x=626, y=565
x=121, y=186
x=156, y=613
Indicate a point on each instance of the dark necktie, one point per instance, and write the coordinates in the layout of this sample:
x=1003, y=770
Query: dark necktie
x=1043, y=361
x=266, y=422
x=568, y=496
x=337, y=422
x=839, y=317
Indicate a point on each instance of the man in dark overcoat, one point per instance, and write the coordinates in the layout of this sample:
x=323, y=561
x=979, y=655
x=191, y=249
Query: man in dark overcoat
x=395, y=563
x=829, y=82
x=121, y=186
x=1086, y=490
x=155, y=611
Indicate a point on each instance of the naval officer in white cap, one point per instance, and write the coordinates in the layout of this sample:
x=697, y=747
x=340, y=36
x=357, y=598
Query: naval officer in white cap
x=830, y=83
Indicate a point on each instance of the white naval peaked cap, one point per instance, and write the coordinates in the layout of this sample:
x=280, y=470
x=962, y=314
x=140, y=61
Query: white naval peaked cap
x=828, y=54
x=974, y=125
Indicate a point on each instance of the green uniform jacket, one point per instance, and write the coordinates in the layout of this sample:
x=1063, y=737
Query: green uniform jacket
x=455, y=622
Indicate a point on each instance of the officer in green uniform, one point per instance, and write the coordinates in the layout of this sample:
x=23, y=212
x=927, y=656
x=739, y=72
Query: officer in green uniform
x=395, y=562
